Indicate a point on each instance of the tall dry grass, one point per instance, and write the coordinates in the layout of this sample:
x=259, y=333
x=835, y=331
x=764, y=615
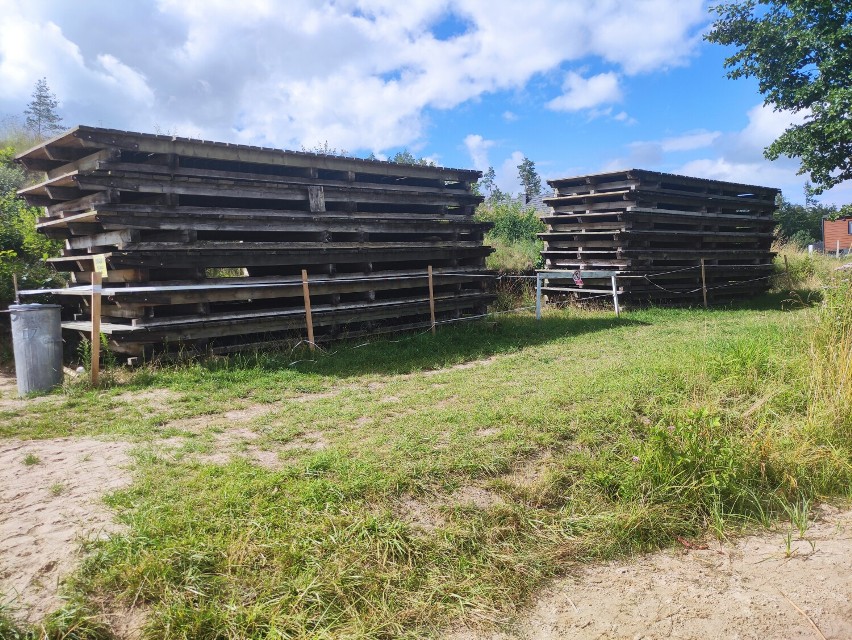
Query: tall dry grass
x=831, y=358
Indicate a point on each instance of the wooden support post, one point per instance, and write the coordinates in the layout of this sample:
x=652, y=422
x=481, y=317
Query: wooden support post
x=15, y=285
x=837, y=251
x=431, y=298
x=703, y=283
x=538, y=296
x=306, y=292
x=787, y=273
x=96, y=327
x=615, y=297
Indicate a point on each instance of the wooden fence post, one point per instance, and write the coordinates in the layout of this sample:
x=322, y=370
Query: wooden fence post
x=15, y=285
x=96, y=327
x=306, y=293
x=703, y=283
x=431, y=298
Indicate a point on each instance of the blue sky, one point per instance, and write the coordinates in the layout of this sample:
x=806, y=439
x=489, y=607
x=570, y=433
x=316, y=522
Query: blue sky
x=578, y=86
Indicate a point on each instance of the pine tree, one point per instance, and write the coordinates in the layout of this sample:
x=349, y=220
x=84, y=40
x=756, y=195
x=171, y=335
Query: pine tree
x=529, y=179
x=42, y=119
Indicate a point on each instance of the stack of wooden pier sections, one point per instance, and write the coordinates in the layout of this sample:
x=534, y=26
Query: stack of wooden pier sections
x=207, y=241
x=656, y=230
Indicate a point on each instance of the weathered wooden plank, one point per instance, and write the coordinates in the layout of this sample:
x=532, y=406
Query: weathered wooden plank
x=98, y=138
x=110, y=238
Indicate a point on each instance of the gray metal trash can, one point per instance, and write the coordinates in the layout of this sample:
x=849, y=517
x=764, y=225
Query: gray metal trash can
x=37, y=342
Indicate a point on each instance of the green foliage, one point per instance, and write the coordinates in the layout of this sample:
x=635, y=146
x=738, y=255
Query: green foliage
x=692, y=459
x=12, y=177
x=326, y=149
x=801, y=224
x=23, y=250
x=406, y=157
x=520, y=256
x=800, y=51
x=512, y=220
x=486, y=185
x=831, y=352
x=529, y=178
x=514, y=235
x=41, y=116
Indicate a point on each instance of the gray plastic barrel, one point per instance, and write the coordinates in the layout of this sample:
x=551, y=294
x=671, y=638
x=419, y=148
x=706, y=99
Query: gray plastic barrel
x=37, y=342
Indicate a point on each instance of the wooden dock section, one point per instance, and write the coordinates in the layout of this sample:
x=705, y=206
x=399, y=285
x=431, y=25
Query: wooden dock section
x=657, y=230
x=205, y=242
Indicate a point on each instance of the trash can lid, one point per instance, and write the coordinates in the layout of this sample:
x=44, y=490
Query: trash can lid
x=34, y=306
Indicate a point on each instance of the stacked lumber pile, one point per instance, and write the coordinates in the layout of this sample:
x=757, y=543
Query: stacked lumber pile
x=655, y=229
x=206, y=242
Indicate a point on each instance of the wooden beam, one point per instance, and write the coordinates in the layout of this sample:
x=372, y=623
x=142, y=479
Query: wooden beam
x=306, y=293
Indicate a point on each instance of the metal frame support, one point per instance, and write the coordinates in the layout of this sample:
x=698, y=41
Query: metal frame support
x=615, y=298
x=541, y=275
x=538, y=279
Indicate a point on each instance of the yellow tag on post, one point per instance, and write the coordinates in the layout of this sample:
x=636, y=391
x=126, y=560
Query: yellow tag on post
x=100, y=264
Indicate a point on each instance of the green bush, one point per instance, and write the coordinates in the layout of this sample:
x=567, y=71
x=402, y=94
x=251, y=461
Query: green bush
x=514, y=235
x=23, y=250
x=513, y=222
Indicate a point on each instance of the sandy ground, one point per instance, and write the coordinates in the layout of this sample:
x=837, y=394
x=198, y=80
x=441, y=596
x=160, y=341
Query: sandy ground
x=748, y=590
x=47, y=507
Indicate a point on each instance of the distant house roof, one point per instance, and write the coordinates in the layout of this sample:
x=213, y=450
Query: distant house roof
x=536, y=202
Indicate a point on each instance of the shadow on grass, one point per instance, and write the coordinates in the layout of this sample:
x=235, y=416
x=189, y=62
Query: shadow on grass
x=784, y=300
x=452, y=345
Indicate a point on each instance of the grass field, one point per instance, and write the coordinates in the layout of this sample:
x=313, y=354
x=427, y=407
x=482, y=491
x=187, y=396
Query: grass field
x=410, y=484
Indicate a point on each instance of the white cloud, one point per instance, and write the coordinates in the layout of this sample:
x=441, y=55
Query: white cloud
x=509, y=116
x=506, y=173
x=587, y=93
x=690, y=141
x=358, y=73
x=477, y=147
x=132, y=83
x=737, y=156
x=623, y=116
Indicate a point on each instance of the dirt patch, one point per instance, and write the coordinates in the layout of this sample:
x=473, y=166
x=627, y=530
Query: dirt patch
x=463, y=365
x=531, y=470
x=249, y=413
x=485, y=433
x=474, y=496
x=226, y=445
x=11, y=401
x=153, y=400
x=311, y=440
x=50, y=498
x=750, y=590
x=308, y=397
x=127, y=624
x=425, y=513
x=420, y=514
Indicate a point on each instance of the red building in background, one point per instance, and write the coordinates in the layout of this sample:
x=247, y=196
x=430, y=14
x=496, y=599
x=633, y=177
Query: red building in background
x=837, y=231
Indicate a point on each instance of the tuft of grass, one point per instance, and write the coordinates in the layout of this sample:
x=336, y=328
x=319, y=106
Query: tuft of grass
x=31, y=459
x=57, y=489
